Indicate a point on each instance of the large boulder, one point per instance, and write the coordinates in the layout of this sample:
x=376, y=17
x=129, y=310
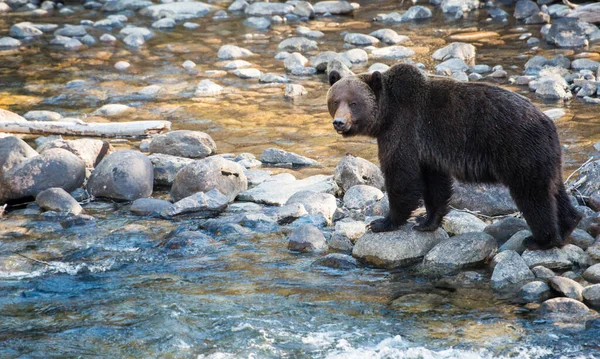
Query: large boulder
x=402, y=247
x=352, y=171
x=13, y=151
x=91, y=151
x=188, y=144
x=510, y=270
x=210, y=173
x=315, y=202
x=461, y=251
x=122, y=175
x=53, y=168
x=490, y=200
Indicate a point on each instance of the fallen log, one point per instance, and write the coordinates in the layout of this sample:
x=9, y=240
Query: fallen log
x=95, y=129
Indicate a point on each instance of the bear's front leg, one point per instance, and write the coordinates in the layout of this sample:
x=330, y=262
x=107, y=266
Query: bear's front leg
x=404, y=195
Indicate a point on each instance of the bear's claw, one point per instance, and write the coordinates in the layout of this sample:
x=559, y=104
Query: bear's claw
x=382, y=225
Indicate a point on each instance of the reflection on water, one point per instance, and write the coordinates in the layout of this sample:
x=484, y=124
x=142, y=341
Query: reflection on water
x=114, y=290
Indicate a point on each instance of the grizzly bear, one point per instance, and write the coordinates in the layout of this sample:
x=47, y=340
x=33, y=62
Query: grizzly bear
x=430, y=130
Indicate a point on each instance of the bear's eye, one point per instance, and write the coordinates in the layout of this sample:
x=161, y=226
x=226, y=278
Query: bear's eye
x=353, y=104
x=335, y=103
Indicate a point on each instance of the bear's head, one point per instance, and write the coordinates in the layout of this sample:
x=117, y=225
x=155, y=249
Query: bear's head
x=352, y=102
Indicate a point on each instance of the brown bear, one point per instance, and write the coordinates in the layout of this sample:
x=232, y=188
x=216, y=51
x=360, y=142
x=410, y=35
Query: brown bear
x=431, y=130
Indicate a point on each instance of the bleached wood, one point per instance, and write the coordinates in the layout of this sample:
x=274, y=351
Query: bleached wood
x=108, y=129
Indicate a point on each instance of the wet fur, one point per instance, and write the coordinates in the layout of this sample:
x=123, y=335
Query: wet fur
x=430, y=130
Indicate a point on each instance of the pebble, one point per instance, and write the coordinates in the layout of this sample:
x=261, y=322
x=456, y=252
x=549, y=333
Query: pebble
x=122, y=65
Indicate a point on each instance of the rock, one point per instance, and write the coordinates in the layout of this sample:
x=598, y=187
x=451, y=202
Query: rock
x=454, y=6
x=340, y=243
x=149, y=206
x=9, y=42
x=361, y=196
x=273, y=78
x=333, y=7
x=200, y=204
x=207, y=88
x=452, y=65
x=294, y=90
x=278, y=189
x=120, y=5
x=259, y=23
x=166, y=23
x=294, y=60
x=305, y=31
x=337, y=261
x=417, y=13
x=567, y=32
x=581, y=238
x=378, y=67
x=42, y=116
x=339, y=66
x=256, y=177
x=564, y=309
x=587, y=12
x=307, y=238
x=542, y=272
x=567, y=287
x=24, y=30
x=461, y=251
x=535, y=292
x=392, y=53
x=591, y=295
x=166, y=168
x=360, y=39
x=122, y=65
x=237, y=64
x=268, y=9
x=179, y=11
x=91, y=151
x=230, y=52
x=299, y=44
x=490, y=200
x=505, y=228
x=277, y=156
x=588, y=179
x=592, y=274
x=237, y=5
x=352, y=230
x=555, y=258
x=497, y=14
x=287, y=214
x=53, y=168
x=207, y=174
x=391, y=18
x=113, y=110
x=456, y=50
x=58, y=200
x=402, y=247
x=525, y=9
x=259, y=222
x=356, y=56
x=315, y=203
x=456, y=222
x=122, y=175
x=517, y=243
x=304, y=9
x=184, y=143
x=510, y=269
x=389, y=36
x=14, y=151
x=352, y=171
x=7, y=116
x=138, y=31
x=585, y=64
x=322, y=60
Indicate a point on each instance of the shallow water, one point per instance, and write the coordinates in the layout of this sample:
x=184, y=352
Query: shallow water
x=114, y=290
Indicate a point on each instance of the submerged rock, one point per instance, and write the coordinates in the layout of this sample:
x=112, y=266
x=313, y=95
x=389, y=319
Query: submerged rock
x=337, y=261
x=307, y=238
x=333, y=7
x=149, y=206
x=564, y=309
x=200, y=204
x=535, y=292
x=184, y=143
x=178, y=10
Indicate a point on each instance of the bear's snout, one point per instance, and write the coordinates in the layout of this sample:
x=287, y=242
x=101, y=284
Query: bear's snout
x=339, y=123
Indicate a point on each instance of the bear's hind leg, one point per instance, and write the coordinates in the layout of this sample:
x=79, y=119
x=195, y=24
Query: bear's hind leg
x=436, y=195
x=568, y=217
x=538, y=206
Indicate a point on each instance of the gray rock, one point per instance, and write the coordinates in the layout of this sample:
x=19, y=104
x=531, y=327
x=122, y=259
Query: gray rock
x=315, y=203
x=207, y=174
x=237, y=64
x=299, y=44
x=91, y=151
x=317, y=220
x=294, y=90
x=278, y=156
x=248, y=73
x=455, y=6
x=120, y=5
x=207, y=88
x=380, y=208
x=134, y=40
x=260, y=23
x=259, y=222
x=452, y=65
x=543, y=272
x=305, y=31
x=184, y=143
x=402, y=247
x=462, y=251
x=113, y=110
x=538, y=18
x=339, y=66
x=322, y=60
x=149, y=206
x=490, y=200
x=456, y=222
x=273, y=78
x=517, y=243
x=588, y=178
x=360, y=39
x=564, y=309
x=554, y=258
x=24, y=30
x=587, y=12
x=135, y=30
x=304, y=9
x=42, y=116
x=340, y=243
x=567, y=32
x=122, y=175
x=256, y=177
x=200, y=204
x=389, y=36
x=288, y=213
x=166, y=168
x=53, y=168
x=392, y=53
x=378, y=67
x=166, y=23
x=497, y=14
x=352, y=171
x=58, y=200
x=178, y=10
x=14, y=151
x=361, y=196
x=567, y=287
x=294, y=60
x=417, y=13
x=356, y=56
x=237, y=5
x=592, y=274
x=591, y=295
x=525, y=9
x=337, y=261
x=456, y=50
x=510, y=269
x=278, y=189
x=480, y=69
x=307, y=238
x=230, y=52
x=352, y=230
x=268, y=9
x=71, y=31
x=585, y=64
x=9, y=43
x=581, y=238
x=391, y=18
x=475, y=77
x=333, y=7
x=535, y=292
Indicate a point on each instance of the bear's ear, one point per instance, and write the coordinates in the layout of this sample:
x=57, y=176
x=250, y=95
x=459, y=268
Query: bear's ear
x=374, y=81
x=334, y=77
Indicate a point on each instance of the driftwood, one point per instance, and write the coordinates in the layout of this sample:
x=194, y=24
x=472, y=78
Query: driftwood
x=569, y=4
x=108, y=129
